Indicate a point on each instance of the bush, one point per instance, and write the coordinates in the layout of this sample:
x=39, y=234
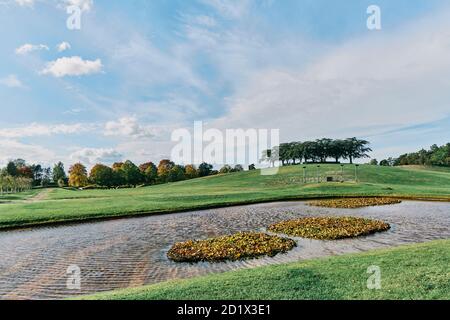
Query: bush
x=350, y=203
x=61, y=183
x=329, y=228
x=243, y=245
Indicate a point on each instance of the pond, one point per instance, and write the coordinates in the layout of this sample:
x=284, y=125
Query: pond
x=132, y=252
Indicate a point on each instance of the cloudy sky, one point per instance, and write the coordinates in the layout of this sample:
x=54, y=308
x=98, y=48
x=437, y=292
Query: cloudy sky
x=138, y=69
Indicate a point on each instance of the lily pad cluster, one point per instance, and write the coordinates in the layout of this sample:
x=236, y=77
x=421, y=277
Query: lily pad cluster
x=329, y=228
x=350, y=203
x=243, y=245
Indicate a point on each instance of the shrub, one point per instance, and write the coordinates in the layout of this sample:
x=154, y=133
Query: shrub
x=243, y=245
x=351, y=203
x=329, y=228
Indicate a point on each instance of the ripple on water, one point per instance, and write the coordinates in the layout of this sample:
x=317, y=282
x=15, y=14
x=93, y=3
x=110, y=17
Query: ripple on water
x=132, y=252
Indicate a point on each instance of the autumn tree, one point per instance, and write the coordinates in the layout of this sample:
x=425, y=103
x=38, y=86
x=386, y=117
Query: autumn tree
x=164, y=168
x=78, y=176
x=149, y=171
x=225, y=169
x=176, y=174
x=190, y=172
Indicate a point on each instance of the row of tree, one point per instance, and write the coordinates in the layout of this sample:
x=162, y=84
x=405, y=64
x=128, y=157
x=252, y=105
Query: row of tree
x=435, y=156
x=17, y=176
x=318, y=151
x=128, y=174
x=10, y=184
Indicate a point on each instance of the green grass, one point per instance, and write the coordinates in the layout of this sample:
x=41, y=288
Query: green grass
x=19, y=196
x=239, y=188
x=411, y=272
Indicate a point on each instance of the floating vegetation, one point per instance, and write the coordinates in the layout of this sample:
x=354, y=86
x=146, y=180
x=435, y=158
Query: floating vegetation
x=243, y=245
x=329, y=228
x=350, y=203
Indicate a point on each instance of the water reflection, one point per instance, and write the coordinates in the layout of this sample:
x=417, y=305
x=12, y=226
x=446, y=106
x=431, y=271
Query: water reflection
x=132, y=252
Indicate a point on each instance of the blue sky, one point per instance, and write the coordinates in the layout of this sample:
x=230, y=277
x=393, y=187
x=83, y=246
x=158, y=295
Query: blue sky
x=138, y=69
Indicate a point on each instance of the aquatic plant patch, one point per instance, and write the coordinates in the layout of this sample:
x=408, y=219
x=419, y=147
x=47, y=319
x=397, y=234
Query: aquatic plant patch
x=243, y=245
x=329, y=228
x=350, y=203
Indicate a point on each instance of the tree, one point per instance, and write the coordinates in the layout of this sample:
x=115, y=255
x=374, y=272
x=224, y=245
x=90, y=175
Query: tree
x=46, y=177
x=204, y=169
x=58, y=172
x=356, y=149
x=271, y=156
x=131, y=173
x=149, y=171
x=37, y=174
x=226, y=169
x=11, y=169
x=176, y=174
x=384, y=163
x=164, y=168
x=78, y=176
x=25, y=172
x=337, y=150
x=190, y=172
x=373, y=162
x=118, y=178
x=101, y=175
x=238, y=168
x=251, y=167
x=117, y=166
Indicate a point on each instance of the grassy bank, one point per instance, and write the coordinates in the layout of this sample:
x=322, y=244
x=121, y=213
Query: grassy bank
x=411, y=272
x=26, y=195
x=239, y=188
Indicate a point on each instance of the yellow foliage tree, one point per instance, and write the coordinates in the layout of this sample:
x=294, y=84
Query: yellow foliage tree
x=78, y=176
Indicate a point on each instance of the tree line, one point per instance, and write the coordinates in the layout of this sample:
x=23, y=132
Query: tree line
x=127, y=174
x=434, y=156
x=17, y=177
x=318, y=151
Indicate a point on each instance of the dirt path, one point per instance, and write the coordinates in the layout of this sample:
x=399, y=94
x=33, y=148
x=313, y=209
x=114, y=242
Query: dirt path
x=38, y=197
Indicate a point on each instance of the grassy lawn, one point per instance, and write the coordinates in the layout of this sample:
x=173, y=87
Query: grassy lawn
x=410, y=272
x=239, y=188
x=4, y=198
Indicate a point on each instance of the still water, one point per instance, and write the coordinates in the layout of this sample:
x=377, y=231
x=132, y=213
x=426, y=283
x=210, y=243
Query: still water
x=132, y=252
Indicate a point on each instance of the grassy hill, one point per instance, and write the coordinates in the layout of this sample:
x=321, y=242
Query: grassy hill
x=223, y=190
x=410, y=272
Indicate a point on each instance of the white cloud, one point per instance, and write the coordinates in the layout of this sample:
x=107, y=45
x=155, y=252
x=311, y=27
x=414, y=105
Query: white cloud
x=366, y=86
x=128, y=127
x=27, y=48
x=92, y=156
x=72, y=66
x=35, y=130
x=63, y=46
x=12, y=149
x=11, y=81
x=84, y=5
x=147, y=64
x=25, y=3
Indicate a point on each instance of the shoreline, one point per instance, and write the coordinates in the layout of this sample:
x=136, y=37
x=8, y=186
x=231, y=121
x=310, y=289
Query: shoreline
x=130, y=215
